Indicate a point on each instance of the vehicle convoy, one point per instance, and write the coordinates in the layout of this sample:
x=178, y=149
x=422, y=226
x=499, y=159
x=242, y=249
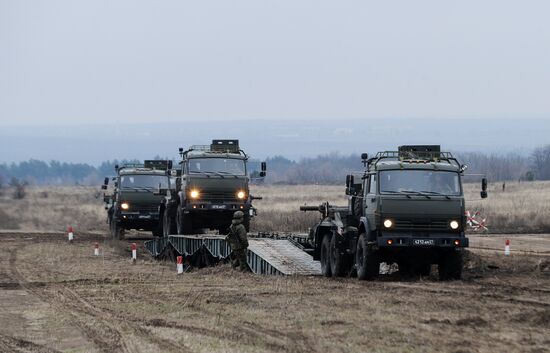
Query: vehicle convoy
x=135, y=202
x=407, y=207
x=211, y=184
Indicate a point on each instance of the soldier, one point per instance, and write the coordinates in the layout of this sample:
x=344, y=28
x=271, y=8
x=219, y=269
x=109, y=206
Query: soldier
x=238, y=241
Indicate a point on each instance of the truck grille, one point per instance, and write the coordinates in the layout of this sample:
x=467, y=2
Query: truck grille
x=218, y=196
x=425, y=225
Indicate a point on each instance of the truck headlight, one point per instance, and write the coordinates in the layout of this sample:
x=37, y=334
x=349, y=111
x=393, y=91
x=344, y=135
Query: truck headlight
x=388, y=223
x=124, y=206
x=194, y=194
x=241, y=195
x=454, y=225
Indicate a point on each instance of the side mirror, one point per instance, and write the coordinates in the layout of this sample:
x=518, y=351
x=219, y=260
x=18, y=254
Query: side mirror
x=106, y=181
x=349, y=180
x=103, y=187
x=483, y=193
x=364, y=156
x=264, y=166
x=262, y=174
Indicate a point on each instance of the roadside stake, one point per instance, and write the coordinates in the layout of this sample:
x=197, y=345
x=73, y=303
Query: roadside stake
x=70, y=234
x=180, y=264
x=96, y=249
x=507, y=247
x=134, y=252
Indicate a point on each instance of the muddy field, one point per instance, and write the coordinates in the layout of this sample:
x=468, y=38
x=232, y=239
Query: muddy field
x=58, y=297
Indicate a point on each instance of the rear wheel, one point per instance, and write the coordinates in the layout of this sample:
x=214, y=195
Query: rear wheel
x=450, y=265
x=325, y=256
x=338, y=261
x=366, y=260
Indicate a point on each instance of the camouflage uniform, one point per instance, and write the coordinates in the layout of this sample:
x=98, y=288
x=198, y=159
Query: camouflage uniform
x=238, y=241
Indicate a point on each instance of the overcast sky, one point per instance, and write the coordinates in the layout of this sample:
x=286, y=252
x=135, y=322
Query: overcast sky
x=143, y=61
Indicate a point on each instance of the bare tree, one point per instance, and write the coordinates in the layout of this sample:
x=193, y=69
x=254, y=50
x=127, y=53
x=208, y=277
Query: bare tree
x=540, y=159
x=18, y=186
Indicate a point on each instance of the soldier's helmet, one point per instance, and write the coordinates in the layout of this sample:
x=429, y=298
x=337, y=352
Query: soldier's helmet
x=238, y=215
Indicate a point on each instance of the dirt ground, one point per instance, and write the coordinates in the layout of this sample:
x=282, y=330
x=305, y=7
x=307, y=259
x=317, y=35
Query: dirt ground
x=59, y=297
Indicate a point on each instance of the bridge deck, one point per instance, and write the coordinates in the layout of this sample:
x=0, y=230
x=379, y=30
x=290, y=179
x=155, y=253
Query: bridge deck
x=265, y=255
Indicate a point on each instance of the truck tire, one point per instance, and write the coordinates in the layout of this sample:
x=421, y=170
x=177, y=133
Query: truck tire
x=168, y=224
x=183, y=222
x=366, y=260
x=450, y=266
x=117, y=233
x=338, y=263
x=326, y=270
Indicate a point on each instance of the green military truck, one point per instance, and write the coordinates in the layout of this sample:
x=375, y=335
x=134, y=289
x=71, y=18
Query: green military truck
x=407, y=207
x=134, y=203
x=212, y=184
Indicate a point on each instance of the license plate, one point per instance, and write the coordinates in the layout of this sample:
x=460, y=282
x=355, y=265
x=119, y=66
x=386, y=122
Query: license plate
x=145, y=217
x=423, y=242
x=219, y=207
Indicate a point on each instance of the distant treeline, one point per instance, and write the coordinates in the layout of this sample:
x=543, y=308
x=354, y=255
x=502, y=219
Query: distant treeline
x=324, y=169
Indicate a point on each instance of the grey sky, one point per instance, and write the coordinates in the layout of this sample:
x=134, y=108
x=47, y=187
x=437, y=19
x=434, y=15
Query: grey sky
x=143, y=61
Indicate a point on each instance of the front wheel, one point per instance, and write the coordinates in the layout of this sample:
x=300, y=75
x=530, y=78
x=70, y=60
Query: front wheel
x=325, y=256
x=450, y=265
x=168, y=224
x=366, y=260
x=183, y=222
x=117, y=232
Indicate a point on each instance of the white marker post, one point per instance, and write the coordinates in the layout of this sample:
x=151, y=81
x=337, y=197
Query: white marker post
x=70, y=234
x=507, y=247
x=96, y=249
x=179, y=264
x=134, y=252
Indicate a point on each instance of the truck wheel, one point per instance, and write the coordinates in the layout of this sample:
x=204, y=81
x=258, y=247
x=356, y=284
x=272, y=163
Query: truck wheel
x=117, y=233
x=366, y=260
x=450, y=266
x=325, y=256
x=168, y=226
x=183, y=222
x=337, y=260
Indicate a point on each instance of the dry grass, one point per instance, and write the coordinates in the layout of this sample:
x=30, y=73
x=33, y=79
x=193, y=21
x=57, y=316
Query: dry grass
x=522, y=208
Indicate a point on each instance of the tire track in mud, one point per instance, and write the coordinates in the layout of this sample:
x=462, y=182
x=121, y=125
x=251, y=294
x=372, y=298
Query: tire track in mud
x=97, y=325
x=19, y=345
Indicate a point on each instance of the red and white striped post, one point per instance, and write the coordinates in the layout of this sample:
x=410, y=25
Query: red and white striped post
x=70, y=234
x=96, y=249
x=507, y=247
x=179, y=261
x=134, y=252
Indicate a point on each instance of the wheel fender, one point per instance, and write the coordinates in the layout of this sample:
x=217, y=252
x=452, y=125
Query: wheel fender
x=364, y=227
x=320, y=232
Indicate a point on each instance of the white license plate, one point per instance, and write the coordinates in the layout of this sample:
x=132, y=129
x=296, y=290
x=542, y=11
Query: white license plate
x=219, y=207
x=424, y=242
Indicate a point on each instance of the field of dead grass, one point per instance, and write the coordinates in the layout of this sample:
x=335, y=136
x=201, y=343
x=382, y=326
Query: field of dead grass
x=522, y=208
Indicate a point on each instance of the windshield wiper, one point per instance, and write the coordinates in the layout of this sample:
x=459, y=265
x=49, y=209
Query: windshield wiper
x=397, y=192
x=437, y=193
x=417, y=193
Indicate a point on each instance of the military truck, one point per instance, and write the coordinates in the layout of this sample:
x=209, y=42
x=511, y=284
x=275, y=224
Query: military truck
x=406, y=207
x=134, y=203
x=212, y=184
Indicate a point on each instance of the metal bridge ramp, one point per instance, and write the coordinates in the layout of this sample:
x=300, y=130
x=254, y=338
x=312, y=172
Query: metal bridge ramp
x=280, y=256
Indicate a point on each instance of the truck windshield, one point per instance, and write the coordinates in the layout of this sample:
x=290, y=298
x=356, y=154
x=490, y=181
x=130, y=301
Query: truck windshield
x=149, y=182
x=217, y=166
x=419, y=181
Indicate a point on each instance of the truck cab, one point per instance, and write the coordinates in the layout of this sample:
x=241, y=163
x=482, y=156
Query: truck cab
x=134, y=203
x=407, y=207
x=213, y=183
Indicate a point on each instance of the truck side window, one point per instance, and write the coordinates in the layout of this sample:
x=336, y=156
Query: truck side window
x=372, y=184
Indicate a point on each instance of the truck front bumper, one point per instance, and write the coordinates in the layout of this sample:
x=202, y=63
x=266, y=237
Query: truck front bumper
x=441, y=240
